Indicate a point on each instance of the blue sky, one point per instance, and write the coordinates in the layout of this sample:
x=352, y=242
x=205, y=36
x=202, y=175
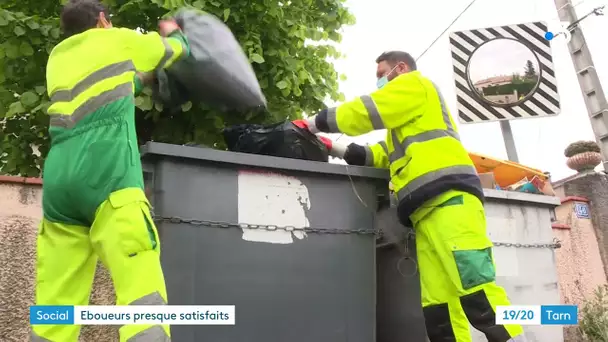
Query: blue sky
x=412, y=25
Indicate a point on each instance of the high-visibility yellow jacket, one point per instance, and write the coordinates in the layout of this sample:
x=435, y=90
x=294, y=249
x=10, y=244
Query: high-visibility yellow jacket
x=79, y=82
x=422, y=147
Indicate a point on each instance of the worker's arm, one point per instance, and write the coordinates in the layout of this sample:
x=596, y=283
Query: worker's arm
x=395, y=104
x=375, y=155
x=151, y=51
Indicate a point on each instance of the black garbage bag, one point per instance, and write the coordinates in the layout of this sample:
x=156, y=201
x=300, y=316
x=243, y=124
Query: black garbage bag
x=217, y=72
x=279, y=140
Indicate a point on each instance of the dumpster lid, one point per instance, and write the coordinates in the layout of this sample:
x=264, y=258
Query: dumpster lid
x=151, y=149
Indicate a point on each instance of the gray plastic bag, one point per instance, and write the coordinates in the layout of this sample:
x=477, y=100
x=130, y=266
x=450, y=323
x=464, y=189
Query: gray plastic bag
x=217, y=72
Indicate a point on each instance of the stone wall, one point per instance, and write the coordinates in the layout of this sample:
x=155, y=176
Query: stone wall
x=20, y=213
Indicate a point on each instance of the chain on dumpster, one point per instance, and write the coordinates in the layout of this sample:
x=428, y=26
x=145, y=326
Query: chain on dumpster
x=219, y=224
x=555, y=244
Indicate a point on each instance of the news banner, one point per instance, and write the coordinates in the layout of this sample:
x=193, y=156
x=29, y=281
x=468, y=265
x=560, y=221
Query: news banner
x=225, y=315
x=133, y=314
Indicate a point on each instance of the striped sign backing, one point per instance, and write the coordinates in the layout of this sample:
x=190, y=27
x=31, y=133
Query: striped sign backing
x=471, y=109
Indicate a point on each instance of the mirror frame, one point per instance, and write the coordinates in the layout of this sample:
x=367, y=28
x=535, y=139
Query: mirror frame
x=542, y=102
x=502, y=105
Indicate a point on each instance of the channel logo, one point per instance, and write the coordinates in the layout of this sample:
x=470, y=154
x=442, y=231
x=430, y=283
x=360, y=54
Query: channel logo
x=559, y=30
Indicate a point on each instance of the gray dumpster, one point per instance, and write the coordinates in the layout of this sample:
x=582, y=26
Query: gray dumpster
x=314, y=281
x=399, y=308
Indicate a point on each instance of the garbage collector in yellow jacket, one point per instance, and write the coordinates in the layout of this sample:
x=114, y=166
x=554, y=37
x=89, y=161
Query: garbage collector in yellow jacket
x=93, y=200
x=439, y=194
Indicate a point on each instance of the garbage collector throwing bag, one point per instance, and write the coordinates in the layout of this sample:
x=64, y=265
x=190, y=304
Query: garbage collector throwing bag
x=217, y=72
x=93, y=202
x=439, y=193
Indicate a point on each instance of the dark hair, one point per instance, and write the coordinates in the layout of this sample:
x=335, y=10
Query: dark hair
x=394, y=57
x=78, y=16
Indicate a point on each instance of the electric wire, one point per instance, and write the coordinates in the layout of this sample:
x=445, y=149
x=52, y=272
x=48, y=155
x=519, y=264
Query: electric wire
x=438, y=37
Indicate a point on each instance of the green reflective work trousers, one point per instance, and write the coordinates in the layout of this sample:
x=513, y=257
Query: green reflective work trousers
x=95, y=209
x=457, y=273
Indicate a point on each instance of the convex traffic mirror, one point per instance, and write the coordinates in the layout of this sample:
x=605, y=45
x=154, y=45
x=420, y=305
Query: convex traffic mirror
x=503, y=72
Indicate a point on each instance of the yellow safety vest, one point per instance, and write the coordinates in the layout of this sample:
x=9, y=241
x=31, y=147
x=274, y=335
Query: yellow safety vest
x=422, y=148
x=89, y=70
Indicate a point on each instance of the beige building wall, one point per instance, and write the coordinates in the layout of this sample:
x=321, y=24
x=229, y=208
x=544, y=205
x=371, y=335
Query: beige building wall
x=20, y=213
x=580, y=266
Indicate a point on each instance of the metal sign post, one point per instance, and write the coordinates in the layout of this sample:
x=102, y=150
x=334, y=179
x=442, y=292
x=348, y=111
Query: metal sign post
x=529, y=90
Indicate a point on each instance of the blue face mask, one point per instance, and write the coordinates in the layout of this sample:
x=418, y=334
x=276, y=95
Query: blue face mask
x=382, y=81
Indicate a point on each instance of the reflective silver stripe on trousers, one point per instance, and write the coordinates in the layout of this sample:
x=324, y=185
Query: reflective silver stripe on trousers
x=153, y=334
x=424, y=179
x=91, y=105
x=36, y=338
x=167, y=56
x=372, y=112
x=332, y=122
x=111, y=70
x=402, y=146
x=150, y=299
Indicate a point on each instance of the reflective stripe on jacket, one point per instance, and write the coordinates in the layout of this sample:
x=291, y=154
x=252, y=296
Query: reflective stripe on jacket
x=97, y=67
x=422, y=149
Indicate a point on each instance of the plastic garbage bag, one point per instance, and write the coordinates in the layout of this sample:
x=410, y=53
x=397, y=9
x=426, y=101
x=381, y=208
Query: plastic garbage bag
x=217, y=72
x=279, y=140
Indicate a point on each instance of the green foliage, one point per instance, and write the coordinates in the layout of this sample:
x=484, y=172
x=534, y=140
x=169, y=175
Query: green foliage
x=593, y=322
x=296, y=76
x=523, y=88
x=581, y=147
x=529, y=70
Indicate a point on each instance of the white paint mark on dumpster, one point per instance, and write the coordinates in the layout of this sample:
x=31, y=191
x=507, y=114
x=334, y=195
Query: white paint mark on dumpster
x=266, y=198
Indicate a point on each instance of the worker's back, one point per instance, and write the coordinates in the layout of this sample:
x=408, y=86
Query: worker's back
x=428, y=158
x=94, y=143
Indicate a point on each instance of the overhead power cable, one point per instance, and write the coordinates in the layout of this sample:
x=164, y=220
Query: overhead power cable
x=446, y=29
x=437, y=38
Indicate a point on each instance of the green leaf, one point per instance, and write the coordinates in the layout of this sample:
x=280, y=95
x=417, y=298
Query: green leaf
x=342, y=77
x=3, y=21
x=33, y=25
x=26, y=49
x=29, y=98
x=147, y=104
x=282, y=85
x=186, y=106
x=15, y=108
x=40, y=89
x=19, y=31
x=257, y=58
x=139, y=101
x=200, y=4
x=11, y=50
x=226, y=14
x=55, y=33
x=158, y=107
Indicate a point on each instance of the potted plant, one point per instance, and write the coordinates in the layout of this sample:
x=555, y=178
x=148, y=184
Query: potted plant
x=583, y=155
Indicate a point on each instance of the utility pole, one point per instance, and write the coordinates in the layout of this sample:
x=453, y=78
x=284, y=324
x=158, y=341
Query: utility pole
x=595, y=100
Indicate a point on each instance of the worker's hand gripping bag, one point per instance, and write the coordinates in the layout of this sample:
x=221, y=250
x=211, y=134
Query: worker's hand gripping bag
x=279, y=140
x=217, y=72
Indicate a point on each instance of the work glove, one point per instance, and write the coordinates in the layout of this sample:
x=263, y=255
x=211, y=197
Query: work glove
x=304, y=125
x=168, y=26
